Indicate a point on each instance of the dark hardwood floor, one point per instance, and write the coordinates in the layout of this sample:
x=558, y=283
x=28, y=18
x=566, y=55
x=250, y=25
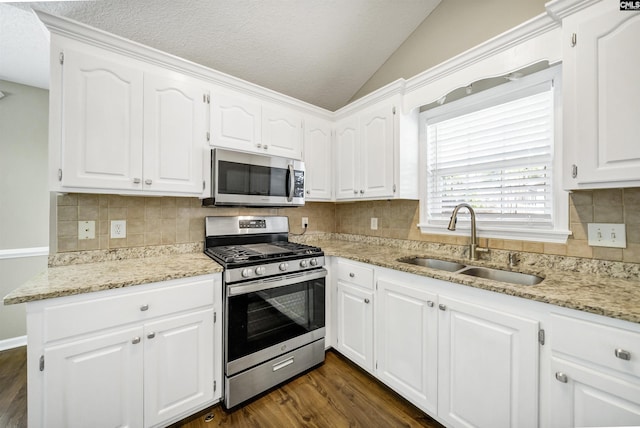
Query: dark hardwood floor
x=336, y=394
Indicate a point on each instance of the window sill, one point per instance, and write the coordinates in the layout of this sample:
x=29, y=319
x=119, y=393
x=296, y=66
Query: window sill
x=518, y=234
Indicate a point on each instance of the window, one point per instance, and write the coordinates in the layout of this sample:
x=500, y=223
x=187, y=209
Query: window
x=495, y=151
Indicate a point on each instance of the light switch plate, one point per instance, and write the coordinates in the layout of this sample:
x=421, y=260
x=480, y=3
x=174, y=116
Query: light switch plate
x=87, y=230
x=374, y=223
x=607, y=235
x=118, y=229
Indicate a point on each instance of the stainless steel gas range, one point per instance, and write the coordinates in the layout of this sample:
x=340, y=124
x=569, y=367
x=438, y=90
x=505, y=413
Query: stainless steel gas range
x=274, y=303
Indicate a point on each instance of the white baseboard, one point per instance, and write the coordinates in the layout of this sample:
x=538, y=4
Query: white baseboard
x=13, y=342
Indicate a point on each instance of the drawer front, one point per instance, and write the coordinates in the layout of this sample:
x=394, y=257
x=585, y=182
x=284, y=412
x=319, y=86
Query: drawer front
x=597, y=343
x=355, y=273
x=93, y=314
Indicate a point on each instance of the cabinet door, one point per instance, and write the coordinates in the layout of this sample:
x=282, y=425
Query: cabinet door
x=235, y=122
x=178, y=365
x=95, y=382
x=174, y=135
x=488, y=367
x=281, y=132
x=102, y=126
x=376, y=152
x=583, y=397
x=347, y=159
x=318, y=160
x=407, y=334
x=603, y=98
x=355, y=324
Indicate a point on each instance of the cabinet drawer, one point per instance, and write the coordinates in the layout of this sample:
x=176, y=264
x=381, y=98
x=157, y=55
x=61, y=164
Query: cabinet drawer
x=597, y=343
x=355, y=273
x=126, y=306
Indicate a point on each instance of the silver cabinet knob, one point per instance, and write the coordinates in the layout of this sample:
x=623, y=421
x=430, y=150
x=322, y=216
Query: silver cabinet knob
x=136, y=180
x=135, y=340
x=362, y=192
x=430, y=303
x=308, y=192
x=144, y=308
x=151, y=335
x=148, y=181
x=352, y=275
x=561, y=377
x=355, y=192
x=366, y=300
x=442, y=307
x=265, y=147
x=258, y=145
x=622, y=354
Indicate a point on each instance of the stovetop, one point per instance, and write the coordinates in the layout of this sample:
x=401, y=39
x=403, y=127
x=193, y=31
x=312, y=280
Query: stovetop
x=244, y=254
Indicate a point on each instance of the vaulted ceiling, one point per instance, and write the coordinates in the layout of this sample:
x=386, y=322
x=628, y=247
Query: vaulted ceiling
x=319, y=51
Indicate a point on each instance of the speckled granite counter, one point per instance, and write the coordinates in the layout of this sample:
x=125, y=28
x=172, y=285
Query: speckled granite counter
x=66, y=280
x=611, y=289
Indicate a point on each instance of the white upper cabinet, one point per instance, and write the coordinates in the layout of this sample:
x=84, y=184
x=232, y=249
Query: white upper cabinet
x=241, y=122
x=235, y=121
x=377, y=153
x=119, y=126
x=318, y=159
x=174, y=135
x=102, y=122
x=601, y=97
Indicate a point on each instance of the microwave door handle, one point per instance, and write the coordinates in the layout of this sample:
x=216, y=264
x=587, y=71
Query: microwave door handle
x=290, y=182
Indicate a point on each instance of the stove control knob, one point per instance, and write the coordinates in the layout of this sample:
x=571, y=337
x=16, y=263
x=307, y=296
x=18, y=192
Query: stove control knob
x=313, y=262
x=260, y=270
x=246, y=273
x=283, y=266
x=303, y=263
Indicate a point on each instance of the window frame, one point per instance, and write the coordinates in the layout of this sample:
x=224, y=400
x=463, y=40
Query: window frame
x=501, y=94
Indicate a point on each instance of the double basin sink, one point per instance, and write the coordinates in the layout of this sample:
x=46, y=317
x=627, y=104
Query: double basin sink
x=479, y=272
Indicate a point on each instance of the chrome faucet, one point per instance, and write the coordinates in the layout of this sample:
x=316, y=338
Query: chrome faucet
x=473, y=245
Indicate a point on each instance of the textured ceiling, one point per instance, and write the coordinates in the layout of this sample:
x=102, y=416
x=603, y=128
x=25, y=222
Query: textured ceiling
x=319, y=51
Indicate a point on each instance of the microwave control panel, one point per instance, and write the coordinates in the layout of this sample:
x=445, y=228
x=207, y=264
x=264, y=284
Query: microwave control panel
x=298, y=184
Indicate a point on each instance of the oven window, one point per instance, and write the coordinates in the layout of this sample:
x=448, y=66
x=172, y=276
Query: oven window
x=261, y=319
x=244, y=179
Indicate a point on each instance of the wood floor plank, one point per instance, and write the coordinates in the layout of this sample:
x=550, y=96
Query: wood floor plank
x=335, y=394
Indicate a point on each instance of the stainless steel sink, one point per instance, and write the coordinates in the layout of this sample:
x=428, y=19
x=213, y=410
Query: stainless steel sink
x=503, y=275
x=434, y=263
x=479, y=272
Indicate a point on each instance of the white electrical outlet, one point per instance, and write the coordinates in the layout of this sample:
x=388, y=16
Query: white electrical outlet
x=374, y=223
x=305, y=222
x=118, y=229
x=607, y=235
x=87, y=230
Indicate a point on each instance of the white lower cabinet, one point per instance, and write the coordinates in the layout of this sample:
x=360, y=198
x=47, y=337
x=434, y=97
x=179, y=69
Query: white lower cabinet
x=144, y=356
x=355, y=303
x=595, y=371
x=488, y=366
x=407, y=332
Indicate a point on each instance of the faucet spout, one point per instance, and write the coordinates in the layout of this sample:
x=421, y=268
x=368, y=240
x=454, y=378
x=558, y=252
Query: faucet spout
x=473, y=244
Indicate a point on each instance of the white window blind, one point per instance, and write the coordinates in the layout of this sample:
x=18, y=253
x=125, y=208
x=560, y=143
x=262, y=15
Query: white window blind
x=499, y=159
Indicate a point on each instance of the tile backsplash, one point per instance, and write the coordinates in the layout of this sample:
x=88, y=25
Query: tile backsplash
x=168, y=220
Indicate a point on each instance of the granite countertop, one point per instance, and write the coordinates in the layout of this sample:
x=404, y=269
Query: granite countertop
x=605, y=288
x=66, y=280
x=568, y=282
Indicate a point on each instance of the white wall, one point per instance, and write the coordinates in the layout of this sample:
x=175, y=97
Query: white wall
x=24, y=195
x=452, y=28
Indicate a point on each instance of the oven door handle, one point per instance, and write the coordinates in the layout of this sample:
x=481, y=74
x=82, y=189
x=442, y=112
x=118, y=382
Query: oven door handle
x=275, y=282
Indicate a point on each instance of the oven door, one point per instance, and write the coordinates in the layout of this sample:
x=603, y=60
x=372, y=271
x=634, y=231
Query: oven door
x=269, y=317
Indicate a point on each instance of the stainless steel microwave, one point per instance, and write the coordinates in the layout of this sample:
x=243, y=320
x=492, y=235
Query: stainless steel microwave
x=251, y=180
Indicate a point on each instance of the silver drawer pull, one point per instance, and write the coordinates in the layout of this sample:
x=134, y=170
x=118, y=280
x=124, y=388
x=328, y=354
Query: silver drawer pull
x=135, y=340
x=366, y=300
x=442, y=307
x=151, y=335
x=148, y=181
x=430, y=303
x=561, y=377
x=282, y=364
x=622, y=354
x=136, y=180
x=352, y=275
x=144, y=308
